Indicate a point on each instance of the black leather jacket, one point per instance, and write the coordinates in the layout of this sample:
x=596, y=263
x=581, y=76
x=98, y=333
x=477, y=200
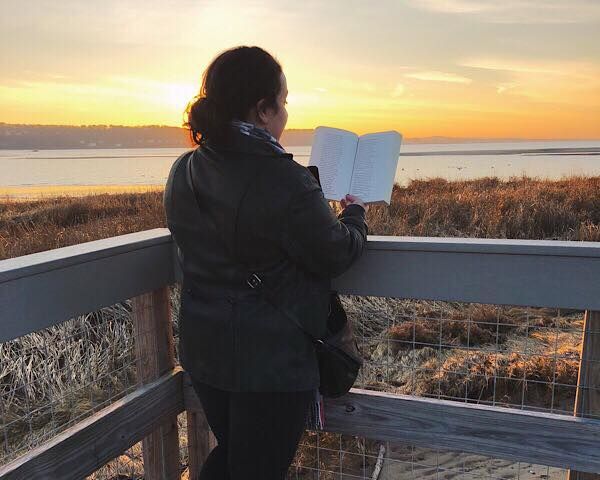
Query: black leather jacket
x=259, y=211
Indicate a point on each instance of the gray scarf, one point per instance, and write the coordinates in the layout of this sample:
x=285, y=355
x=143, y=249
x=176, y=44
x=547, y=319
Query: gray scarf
x=251, y=130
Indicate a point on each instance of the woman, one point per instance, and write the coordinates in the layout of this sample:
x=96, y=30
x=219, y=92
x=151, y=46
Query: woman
x=239, y=204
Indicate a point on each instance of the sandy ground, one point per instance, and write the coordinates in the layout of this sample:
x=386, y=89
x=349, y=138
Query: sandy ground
x=402, y=462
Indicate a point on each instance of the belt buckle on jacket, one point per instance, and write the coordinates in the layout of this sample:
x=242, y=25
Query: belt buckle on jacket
x=254, y=281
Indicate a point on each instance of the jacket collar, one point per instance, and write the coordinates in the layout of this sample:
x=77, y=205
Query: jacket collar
x=240, y=143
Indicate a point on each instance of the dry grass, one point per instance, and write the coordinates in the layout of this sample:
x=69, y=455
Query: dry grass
x=471, y=352
x=48, y=379
x=525, y=208
x=38, y=225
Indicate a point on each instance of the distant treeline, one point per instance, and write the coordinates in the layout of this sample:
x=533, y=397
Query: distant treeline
x=42, y=137
x=46, y=137
x=93, y=136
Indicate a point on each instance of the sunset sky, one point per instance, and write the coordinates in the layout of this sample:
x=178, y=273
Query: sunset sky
x=461, y=68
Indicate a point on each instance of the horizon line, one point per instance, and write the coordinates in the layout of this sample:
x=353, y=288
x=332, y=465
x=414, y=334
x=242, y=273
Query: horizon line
x=103, y=125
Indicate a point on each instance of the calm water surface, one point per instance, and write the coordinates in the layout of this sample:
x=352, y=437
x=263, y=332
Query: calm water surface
x=547, y=159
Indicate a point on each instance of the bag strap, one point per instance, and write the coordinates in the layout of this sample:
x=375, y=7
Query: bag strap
x=253, y=280
x=256, y=283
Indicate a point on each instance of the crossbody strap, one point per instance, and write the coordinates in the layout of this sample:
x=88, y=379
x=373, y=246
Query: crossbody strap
x=253, y=280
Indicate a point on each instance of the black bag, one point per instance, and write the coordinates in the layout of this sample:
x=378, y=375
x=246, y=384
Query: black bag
x=338, y=354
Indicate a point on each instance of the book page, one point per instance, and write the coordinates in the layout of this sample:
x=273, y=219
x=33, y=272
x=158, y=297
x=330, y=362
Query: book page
x=375, y=166
x=333, y=152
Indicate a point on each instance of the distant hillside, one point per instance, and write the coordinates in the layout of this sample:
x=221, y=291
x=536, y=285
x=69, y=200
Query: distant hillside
x=44, y=137
x=47, y=137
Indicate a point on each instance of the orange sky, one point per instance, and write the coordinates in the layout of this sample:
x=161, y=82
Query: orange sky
x=462, y=68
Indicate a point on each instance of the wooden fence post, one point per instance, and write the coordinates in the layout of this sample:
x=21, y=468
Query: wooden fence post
x=155, y=356
x=201, y=440
x=587, y=400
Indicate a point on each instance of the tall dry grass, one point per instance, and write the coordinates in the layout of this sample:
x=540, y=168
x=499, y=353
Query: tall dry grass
x=37, y=225
x=402, y=335
x=523, y=208
x=519, y=208
x=48, y=379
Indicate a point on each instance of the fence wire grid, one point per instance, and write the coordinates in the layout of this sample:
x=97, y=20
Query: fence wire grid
x=54, y=378
x=524, y=358
x=516, y=357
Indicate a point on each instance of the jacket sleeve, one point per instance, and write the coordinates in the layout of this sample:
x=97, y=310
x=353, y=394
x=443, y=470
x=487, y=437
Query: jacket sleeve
x=315, y=238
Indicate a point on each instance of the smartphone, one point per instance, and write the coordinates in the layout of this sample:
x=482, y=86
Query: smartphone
x=315, y=171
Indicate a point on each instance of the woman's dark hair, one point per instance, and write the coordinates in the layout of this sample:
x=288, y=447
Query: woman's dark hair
x=231, y=85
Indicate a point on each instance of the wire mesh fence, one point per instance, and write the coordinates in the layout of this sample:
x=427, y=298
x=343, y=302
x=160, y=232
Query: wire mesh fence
x=516, y=357
x=330, y=456
x=51, y=379
x=56, y=377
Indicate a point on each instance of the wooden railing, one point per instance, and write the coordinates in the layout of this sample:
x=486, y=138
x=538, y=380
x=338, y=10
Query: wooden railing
x=44, y=289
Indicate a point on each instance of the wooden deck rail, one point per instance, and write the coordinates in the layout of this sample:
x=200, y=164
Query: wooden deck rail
x=44, y=289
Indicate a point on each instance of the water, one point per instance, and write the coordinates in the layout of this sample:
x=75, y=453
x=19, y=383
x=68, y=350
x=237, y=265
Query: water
x=25, y=170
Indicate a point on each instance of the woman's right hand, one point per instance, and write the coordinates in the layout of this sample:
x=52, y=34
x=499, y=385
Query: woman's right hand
x=353, y=200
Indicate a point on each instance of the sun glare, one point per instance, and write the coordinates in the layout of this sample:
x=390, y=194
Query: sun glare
x=178, y=95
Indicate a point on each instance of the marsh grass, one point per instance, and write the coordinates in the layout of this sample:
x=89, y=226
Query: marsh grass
x=467, y=352
x=520, y=208
x=38, y=225
x=524, y=208
x=48, y=379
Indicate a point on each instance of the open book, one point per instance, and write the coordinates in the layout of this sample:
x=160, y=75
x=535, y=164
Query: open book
x=364, y=166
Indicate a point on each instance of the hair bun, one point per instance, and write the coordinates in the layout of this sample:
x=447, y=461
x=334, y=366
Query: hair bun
x=204, y=118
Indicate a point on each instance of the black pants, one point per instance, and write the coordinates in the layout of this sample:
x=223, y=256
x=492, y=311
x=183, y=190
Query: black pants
x=257, y=432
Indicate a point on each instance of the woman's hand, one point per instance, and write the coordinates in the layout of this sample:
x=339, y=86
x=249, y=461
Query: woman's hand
x=353, y=200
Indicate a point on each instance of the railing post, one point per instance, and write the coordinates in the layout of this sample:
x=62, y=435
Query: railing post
x=587, y=399
x=200, y=441
x=155, y=356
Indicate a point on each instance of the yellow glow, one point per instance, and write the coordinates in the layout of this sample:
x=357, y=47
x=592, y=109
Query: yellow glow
x=534, y=104
x=179, y=95
x=422, y=67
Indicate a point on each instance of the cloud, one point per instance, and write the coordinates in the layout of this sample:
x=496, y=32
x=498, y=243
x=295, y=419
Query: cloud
x=432, y=76
x=518, y=11
x=514, y=65
x=504, y=87
x=571, y=82
x=452, y=6
x=582, y=71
